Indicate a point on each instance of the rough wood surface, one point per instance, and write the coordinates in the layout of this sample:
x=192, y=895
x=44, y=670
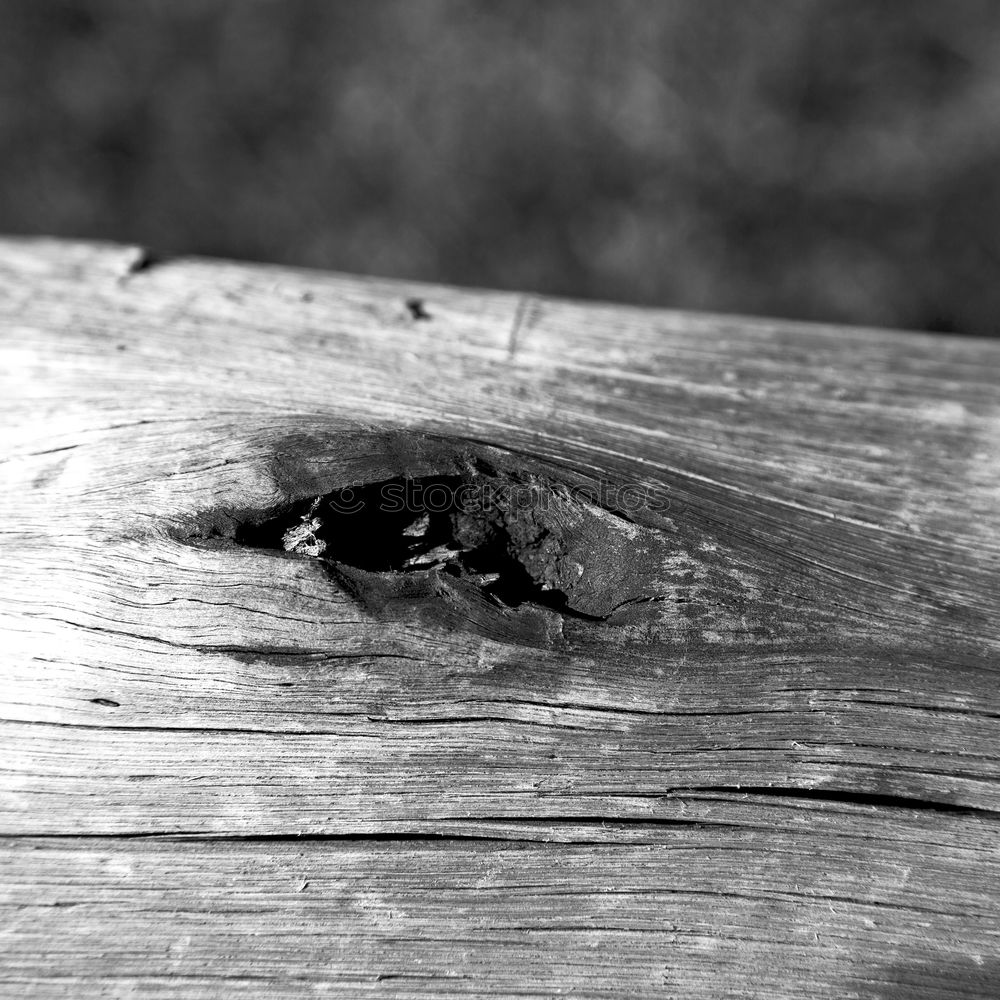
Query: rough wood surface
x=736, y=738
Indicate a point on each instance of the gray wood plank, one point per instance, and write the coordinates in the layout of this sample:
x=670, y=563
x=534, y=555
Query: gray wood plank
x=725, y=725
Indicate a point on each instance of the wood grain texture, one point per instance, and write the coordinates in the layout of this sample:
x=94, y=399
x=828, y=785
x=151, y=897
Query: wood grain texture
x=755, y=754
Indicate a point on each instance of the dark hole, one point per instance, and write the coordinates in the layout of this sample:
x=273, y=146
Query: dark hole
x=376, y=527
x=448, y=524
x=146, y=259
x=106, y=702
x=416, y=309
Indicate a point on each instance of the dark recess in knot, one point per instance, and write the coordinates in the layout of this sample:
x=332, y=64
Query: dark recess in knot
x=417, y=309
x=144, y=260
x=471, y=529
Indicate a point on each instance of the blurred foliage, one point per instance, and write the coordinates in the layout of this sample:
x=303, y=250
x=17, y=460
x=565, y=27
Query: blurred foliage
x=825, y=159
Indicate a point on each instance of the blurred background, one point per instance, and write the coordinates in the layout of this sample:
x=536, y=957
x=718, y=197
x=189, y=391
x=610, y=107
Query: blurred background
x=818, y=159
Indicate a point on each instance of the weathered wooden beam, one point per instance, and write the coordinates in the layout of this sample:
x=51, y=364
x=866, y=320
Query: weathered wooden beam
x=687, y=686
